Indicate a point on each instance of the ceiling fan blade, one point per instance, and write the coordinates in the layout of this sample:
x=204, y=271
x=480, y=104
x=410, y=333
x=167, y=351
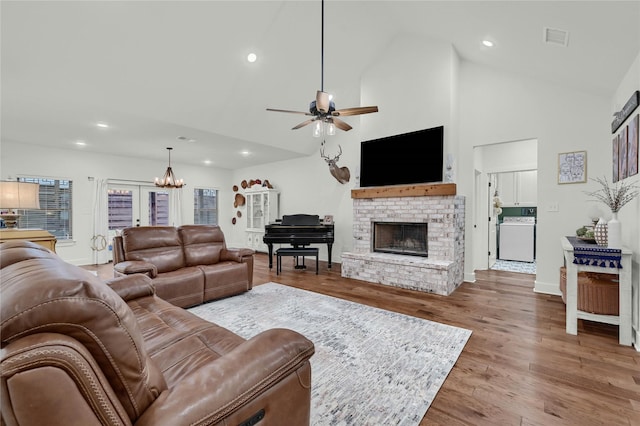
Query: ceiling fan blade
x=322, y=101
x=288, y=111
x=355, y=111
x=341, y=124
x=304, y=123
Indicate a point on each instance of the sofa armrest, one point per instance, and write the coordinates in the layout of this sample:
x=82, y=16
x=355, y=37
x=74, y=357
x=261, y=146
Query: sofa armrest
x=51, y=378
x=219, y=388
x=131, y=287
x=236, y=254
x=136, y=267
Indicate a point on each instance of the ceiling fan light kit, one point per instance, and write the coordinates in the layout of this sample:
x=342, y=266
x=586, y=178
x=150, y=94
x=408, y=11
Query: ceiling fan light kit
x=323, y=109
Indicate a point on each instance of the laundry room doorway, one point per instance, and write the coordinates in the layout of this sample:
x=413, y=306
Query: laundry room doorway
x=506, y=197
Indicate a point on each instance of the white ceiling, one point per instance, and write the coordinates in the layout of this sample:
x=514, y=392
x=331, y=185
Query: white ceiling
x=158, y=70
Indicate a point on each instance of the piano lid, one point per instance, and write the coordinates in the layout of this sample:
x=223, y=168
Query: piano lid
x=300, y=220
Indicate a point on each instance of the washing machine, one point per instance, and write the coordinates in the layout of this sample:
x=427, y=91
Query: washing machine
x=517, y=238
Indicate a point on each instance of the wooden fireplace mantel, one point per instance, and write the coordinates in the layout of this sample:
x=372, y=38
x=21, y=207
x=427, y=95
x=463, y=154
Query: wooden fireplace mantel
x=415, y=190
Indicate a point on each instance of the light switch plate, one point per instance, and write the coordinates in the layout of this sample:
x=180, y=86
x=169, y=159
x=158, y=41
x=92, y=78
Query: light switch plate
x=553, y=207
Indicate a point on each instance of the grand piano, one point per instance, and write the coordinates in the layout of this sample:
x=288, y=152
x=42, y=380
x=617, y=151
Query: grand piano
x=299, y=230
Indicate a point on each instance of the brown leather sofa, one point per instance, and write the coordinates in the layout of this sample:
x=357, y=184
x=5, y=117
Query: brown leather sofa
x=189, y=265
x=76, y=351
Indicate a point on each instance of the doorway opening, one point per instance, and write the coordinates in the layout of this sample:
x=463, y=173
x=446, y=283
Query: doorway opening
x=506, y=199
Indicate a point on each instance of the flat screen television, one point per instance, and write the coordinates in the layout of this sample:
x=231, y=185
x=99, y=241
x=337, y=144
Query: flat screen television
x=415, y=157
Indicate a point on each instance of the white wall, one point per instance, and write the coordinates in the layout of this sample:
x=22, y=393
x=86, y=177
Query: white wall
x=509, y=156
x=499, y=107
x=77, y=165
x=414, y=82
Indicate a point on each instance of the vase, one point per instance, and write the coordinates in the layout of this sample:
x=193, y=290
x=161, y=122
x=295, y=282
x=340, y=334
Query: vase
x=600, y=232
x=614, y=237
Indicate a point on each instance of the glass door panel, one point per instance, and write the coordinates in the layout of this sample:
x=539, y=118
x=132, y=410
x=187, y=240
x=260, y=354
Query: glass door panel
x=123, y=207
x=155, y=206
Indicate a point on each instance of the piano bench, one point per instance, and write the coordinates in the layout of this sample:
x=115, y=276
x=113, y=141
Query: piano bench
x=295, y=252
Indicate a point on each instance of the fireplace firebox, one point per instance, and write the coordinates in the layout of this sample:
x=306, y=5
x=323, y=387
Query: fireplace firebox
x=400, y=238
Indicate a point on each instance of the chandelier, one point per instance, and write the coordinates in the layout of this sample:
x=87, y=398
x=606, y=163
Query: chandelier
x=169, y=180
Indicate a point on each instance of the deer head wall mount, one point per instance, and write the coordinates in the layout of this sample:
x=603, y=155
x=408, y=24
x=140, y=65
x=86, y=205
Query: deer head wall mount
x=341, y=174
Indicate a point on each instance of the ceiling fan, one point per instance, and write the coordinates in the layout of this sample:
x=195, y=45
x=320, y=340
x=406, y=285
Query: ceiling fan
x=323, y=109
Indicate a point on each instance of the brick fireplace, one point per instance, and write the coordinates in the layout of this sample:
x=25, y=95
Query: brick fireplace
x=440, y=269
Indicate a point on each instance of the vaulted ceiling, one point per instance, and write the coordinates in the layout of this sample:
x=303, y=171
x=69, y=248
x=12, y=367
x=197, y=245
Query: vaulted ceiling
x=174, y=73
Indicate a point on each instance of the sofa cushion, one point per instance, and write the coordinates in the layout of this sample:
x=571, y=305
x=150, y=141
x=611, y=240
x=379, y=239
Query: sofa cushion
x=202, y=244
x=43, y=294
x=178, y=341
x=224, y=279
x=160, y=245
x=184, y=287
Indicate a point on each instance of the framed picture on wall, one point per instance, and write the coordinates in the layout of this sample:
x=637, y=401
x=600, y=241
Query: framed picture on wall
x=632, y=144
x=614, y=144
x=572, y=167
x=622, y=154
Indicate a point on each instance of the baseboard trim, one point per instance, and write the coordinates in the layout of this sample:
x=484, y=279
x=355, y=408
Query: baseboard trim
x=547, y=288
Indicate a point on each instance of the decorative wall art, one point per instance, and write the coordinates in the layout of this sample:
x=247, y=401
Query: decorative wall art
x=572, y=167
x=622, y=154
x=615, y=158
x=625, y=143
x=625, y=146
x=633, y=144
x=625, y=112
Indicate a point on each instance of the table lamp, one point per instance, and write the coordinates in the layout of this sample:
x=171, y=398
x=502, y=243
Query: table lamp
x=16, y=196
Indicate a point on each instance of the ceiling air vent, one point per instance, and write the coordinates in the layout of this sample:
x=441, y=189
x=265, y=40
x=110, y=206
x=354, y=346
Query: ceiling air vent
x=555, y=36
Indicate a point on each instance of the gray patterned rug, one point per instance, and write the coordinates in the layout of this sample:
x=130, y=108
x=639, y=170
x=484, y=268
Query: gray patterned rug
x=371, y=366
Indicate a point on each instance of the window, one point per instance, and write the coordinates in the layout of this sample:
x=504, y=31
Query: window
x=205, y=206
x=55, y=210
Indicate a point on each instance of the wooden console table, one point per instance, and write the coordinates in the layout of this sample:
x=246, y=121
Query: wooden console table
x=39, y=236
x=623, y=320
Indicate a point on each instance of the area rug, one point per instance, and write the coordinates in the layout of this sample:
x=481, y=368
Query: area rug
x=371, y=366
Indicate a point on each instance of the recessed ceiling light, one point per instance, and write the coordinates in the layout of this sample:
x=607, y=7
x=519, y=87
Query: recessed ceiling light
x=251, y=57
x=487, y=43
x=81, y=143
x=207, y=162
x=102, y=125
x=245, y=152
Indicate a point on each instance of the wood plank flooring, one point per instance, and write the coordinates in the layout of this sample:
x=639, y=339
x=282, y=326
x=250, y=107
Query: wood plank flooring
x=519, y=367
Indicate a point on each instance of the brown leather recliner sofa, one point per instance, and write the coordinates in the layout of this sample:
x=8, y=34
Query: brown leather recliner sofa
x=189, y=265
x=78, y=351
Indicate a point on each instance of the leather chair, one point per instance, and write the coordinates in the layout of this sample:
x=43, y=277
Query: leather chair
x=78, y=351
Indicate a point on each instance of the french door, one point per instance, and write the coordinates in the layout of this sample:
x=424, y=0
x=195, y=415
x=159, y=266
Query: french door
x=136, y=205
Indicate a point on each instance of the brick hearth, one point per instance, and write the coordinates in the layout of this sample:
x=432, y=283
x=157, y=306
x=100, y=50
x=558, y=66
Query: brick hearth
x=442, y=271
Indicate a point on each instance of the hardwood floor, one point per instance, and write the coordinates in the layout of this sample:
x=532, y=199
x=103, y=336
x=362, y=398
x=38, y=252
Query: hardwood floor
x=519, y=367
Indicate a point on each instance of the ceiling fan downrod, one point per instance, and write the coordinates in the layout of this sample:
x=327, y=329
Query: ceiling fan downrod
x=322, y=50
